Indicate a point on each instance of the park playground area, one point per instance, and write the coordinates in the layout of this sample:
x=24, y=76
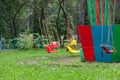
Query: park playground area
x=37, y=64
x=59, y=40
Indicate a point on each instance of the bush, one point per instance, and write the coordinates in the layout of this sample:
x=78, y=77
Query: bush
x=39, y=41
x=25, y=41
x=9, y=43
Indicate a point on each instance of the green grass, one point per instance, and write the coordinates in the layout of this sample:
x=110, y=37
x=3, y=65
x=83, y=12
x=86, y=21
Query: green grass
x=37, y=64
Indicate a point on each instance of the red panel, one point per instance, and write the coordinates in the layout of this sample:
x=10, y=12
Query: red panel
x=97, y=12
x=103, y=5
x=87, y=43
x=112, y=2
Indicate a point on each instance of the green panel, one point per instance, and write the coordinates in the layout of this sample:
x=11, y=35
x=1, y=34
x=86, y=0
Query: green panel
x=94, y=12
x=116, y=55
x=100, y=11
x=89, y=11
x=106, y=18
x=108, y=13
x=82, y=56
x=114, y=10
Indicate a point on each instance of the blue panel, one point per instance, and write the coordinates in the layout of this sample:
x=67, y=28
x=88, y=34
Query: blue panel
x=0, y=45
x=100, y=56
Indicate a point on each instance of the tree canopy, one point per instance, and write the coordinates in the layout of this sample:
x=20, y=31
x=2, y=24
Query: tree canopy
x=55, y=19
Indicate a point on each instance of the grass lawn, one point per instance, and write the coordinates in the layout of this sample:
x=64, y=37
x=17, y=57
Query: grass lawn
x=37, y=64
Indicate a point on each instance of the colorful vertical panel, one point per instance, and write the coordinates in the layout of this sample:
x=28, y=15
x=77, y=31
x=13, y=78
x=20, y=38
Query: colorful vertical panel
x=97, y=12
x=101, y=12
x=82, y=55
x=114, y=10
x=91, y=11
x=103, y=8
x=86, y=42
x=98, y=39
x=116, y=38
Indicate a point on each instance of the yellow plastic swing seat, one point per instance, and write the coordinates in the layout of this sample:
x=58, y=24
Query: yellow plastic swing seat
x=72, y=51
x=73, y=43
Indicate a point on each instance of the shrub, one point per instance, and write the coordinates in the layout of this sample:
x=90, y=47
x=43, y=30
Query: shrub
x=25, y=41
x=39, y=40
x=9, y=43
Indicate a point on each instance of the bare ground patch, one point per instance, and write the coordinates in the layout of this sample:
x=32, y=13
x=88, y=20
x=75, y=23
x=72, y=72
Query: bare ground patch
x=50, y=61
x=67, y=60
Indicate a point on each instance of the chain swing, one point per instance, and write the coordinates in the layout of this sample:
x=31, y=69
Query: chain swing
x=107, y=48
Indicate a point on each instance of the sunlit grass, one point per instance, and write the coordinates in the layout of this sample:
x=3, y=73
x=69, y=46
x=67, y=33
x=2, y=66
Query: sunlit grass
x=37, y=64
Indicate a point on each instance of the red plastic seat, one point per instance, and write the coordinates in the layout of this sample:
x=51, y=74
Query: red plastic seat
x=49, y=49
x=107, y=50
x=54, y=45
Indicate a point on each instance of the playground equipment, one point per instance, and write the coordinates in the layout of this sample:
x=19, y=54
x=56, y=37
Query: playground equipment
x=50, y=48
x=54, y=45
x=70, y=49
x=100, y=42
x=82, y=55
x=107, y=48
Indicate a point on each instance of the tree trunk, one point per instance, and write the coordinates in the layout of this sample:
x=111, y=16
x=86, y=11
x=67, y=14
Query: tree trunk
x=67, y=33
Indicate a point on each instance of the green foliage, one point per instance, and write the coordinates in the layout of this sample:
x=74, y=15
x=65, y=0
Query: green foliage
x=19, y=15
x=28, y=40
x=9, y=20
x=39, y=40
x=25, y=41
x=8, y=43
